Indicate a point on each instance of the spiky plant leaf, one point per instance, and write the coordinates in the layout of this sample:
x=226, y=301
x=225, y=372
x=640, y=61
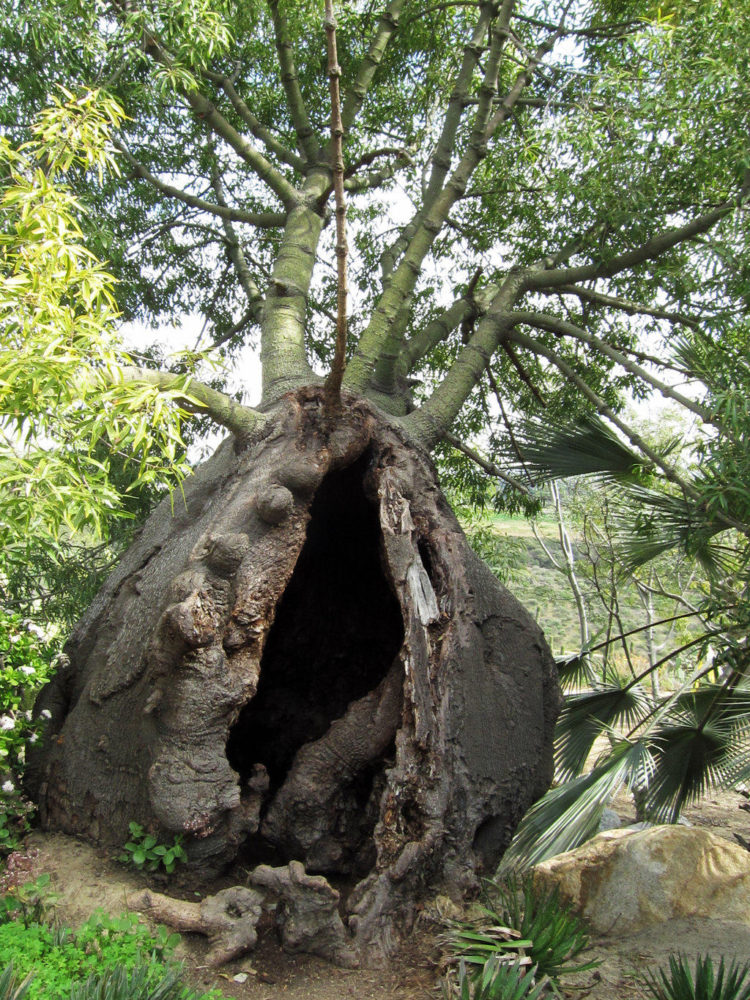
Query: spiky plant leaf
x=679, y=984
x=587, y=714
x=569, y=814
x=500, y=981
x=574, y=670
x=587, y=448
x=9, y=988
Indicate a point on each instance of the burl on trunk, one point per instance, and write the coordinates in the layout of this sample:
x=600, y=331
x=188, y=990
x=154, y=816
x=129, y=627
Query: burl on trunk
x=304, y=660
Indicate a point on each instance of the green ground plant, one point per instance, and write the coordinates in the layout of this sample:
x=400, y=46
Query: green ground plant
x=497, y=981
x=144, y=851
x=59, y=958
x=721, y=983
x=517, y=920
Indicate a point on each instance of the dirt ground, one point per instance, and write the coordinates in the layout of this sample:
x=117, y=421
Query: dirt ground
x=85, y=878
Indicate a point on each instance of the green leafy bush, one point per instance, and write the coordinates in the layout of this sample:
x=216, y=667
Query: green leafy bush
x=144, y=851
x=58, y=959
x=708, y=984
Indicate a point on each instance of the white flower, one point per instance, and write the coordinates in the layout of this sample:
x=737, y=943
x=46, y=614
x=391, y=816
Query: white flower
x=34, y=629
x=27, y=670
x=14, y=639
x=45, y=713
x=33, y=738
x=8, y=787
x=27, y=715
x=7, y=722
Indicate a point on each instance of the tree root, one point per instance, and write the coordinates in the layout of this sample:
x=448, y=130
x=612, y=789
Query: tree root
x=228, y=919
x=307, y=914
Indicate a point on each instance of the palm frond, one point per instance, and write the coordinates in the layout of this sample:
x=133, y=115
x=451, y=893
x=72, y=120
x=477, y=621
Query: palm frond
x=571, y=813
x=587, y=448
x=574, y=669
x=651, y=522
x=690, y=754
x=587, y=715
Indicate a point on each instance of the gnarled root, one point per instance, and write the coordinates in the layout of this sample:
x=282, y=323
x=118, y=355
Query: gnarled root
x=307, y=914
x=228, y=919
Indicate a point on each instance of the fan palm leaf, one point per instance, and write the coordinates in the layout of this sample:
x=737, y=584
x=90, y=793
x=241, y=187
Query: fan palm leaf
x=571, y=813
x=586, y=448
x=587, y=715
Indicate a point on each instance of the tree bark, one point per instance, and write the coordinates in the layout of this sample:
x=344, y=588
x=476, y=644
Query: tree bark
x=306, y=657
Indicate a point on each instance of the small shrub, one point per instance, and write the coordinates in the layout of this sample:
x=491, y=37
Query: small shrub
x=27, y=903
x=497, y=980
x=144, y=851
x=708, y=984
x=557, y=936
x=518, y=920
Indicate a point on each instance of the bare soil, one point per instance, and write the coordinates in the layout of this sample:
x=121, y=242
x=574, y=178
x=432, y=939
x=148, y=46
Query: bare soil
x=85, y=879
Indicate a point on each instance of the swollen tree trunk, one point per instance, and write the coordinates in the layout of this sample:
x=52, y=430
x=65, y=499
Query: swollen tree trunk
x=305, y=661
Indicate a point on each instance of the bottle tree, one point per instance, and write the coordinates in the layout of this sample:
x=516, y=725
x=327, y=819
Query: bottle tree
x=301, y=654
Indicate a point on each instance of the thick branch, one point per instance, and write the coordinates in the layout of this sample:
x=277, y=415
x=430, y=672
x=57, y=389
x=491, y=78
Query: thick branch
x=438, y=330
x=261, y=220
x=655, y=247
x=355, y=95
x=269, y=140
x=333, y=383
x=199, y=398
x=554, y=324
x=306, y=138
x=380, y=344
x=432, y=421
x=218, y=124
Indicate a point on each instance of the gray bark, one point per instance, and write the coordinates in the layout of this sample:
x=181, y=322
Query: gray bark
x=314, y=600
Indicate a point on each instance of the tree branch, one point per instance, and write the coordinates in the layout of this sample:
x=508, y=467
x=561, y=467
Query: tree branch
x=555, y=277
x=306, y=138
x=261, y=220
x=355, y=95
x=199, y=398
x=269, y=140
x=561, y=327
x=629, y=307
x=236, y=255
x=489, y=467
x=333, y=382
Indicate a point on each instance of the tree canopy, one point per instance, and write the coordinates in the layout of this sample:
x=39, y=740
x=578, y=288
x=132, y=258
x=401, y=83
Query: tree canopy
x=539, y=193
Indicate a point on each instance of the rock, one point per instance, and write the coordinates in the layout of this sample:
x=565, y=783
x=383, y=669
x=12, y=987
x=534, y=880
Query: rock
x=610, y=821
x=624, y=880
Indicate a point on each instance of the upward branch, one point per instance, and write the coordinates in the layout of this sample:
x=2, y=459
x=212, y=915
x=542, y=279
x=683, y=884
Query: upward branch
x=333, y=383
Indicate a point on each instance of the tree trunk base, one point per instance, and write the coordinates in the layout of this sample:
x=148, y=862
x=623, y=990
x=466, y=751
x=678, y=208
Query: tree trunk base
x=306, y=661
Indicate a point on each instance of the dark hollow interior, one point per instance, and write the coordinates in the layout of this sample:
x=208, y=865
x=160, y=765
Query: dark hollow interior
x=336, y=632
